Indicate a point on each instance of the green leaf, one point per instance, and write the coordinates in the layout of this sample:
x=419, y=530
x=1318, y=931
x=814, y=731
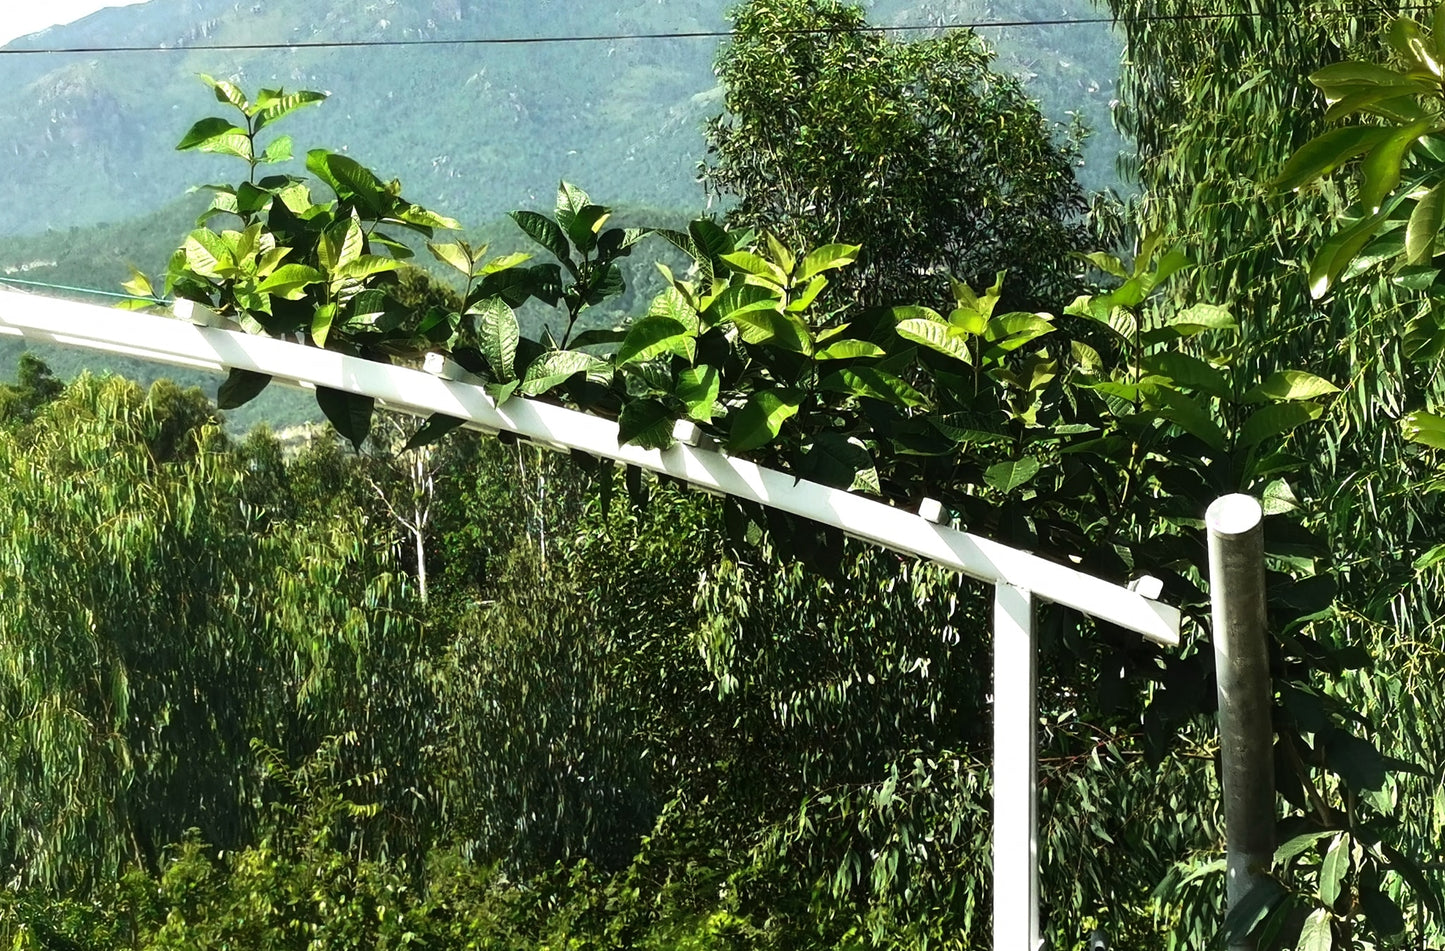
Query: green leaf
x=655, y=335
x=1355, y=760
x=756, y=266
x=1202, y=317
x=698, y=387
x=1428, y=429
x=582, y=227
x=873, y=383
x=497, y=336
x=1381, y=912
x=1424, y=226
x=436, y=426
x=1332, y=870
x=1338, y=251
x=1431, y=558
x=321, y=322
x=1007, y=476
x=282, y=106
x=364, y=266
x=761, y=418
x=139, y=285
x=1354, y=72
x=1381, y=167
x=1316, y=935
x=936, y=335
x=850, y=349
x=1252, y=909
x=829, y=257
x=349, y=413
x=841, y=462
x=1182, y=369
x=1291, y=385
x=1298, y=845
x=227, y=91
x=646, y=423
x=353, y=181
x=505, y=262
x=558, y=366
x=1324, y=153
x=289, y=281
x=546, y=233
x=673, y=304
x=207, y=132
x=1276, y=419
x=1186, y=413
x=240, y=387
x=454, y=256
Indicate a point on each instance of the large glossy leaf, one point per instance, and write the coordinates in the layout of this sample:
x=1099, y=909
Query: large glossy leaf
x=1265, y=895
x=756, y=266
x=698, y=387
x=873, y=383
x=545, y=232
x=1332, y=870
x=655, y=335
x=1323, y=154
x=349, y=413
x=497, y=336
x=558, y=366
x=278, y=106
x=850, y=349
x=838, y=461
x=646, y=423
x=1187, y=413
x=1315, y=935
x=761, y=419
x=1428, y=429
x=436, y=426
x=453, y=255
x=1291, y=385
x=1182, y=369
x=936, y=335
x=240, y=387
x=1008, y=476
x=1424, y=226
x=206, y=131
x=1274, y=420
x=829, y=257
x=1381, y=167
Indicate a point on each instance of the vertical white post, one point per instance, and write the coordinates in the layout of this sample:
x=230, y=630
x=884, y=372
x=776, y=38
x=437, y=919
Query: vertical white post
x=1015, y=773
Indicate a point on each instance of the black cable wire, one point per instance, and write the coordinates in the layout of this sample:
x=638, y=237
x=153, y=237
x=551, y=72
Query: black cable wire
x=686, y=35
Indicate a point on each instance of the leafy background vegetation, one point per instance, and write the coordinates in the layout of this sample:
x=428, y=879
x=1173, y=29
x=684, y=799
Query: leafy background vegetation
x=473, y=695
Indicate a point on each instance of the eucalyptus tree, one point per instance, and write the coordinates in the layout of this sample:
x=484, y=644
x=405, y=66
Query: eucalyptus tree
x=168, y=599
x=1213, y=133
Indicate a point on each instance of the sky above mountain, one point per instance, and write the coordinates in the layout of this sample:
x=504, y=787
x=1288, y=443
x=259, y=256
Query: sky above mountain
x=20, y=19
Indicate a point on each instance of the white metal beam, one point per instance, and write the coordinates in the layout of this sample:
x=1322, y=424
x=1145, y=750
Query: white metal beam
x=167, y=340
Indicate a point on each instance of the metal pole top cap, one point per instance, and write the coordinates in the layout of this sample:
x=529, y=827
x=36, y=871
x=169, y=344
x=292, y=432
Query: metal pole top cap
x=1235, y=514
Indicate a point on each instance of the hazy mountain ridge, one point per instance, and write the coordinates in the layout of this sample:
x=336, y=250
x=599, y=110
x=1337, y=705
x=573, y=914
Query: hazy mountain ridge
x=473, y=130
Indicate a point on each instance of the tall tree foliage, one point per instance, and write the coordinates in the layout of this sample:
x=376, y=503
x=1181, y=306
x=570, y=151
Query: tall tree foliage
x=168, y=600
x=918, y=151
x=1213, y=133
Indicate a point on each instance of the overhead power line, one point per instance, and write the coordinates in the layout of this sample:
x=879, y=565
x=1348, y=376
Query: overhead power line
x=681, y=35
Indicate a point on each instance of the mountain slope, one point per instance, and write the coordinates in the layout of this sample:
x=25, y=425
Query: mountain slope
x=474, y=130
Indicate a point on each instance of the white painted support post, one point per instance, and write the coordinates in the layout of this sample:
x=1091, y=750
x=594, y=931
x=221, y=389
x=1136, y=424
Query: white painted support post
x=1015, y=773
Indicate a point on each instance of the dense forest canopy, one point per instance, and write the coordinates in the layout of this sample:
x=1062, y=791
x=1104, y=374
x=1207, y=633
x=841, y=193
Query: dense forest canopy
x=470, y=694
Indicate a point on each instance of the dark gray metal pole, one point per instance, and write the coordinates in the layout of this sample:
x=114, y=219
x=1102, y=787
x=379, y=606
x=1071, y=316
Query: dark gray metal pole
x=1241, y=663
